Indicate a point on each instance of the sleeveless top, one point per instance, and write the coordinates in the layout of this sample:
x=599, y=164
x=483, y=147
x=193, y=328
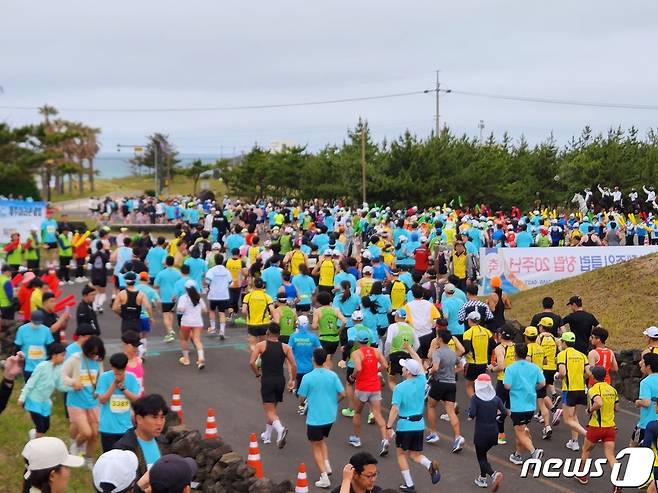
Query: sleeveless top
x=605, y=360
x=131, y=310
x=498, y=312
x=367, y=379
x=272, y=360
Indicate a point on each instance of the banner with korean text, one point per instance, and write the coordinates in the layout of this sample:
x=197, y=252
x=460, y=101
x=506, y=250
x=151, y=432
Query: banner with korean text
x=20, y=216
x=526, y=268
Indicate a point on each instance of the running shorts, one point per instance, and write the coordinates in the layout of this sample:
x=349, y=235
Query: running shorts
x=394, y=367
x=257, y=330
x=99, y=281
x=317, y=433
x=443, y=391
x=271, y=390
x=573, y=398
x=473, y=371
x=596, y=434
x=549, y=376
x=145, y=324
x=425, y=342
x=167, y=307
x=367, y=396
x=219, y=305
x=329, y=346
x=519, y=419
x=409, y=440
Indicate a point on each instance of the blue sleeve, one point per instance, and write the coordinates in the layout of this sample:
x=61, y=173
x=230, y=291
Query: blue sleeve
x=9, y=290
x=650, y=434
x=509, y=376
x=18, y=341
x=303, y=388
x=49, y=337
x=132, y=384
x=540, y=376
x=316, y=341
x=339, y=384
x=104, y=383
x=395, y=399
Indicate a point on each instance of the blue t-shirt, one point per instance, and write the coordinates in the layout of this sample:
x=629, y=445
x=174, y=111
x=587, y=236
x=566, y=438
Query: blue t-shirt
x=305, y=285
x=115, y=412
x=33, y=341
x=302, y=344
x=409, y=396
x=198, y=269
x=523, y=239
x=72, y=349
x=347, y=307
x=124, y=255
x=272, y=279
x=321, y=387
x=49, y=231
x=345, y=276
x=234, y=241
x=648, y=389
x=84, y=398
x=166, y=280
x=155, y=260
x=523, y=377
x=450, y=308
x=150, y=450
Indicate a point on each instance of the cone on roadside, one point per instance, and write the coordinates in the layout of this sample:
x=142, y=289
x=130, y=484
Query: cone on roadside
x=176, y=406
x=302, y=482
x=253, y=459
x=211, y=425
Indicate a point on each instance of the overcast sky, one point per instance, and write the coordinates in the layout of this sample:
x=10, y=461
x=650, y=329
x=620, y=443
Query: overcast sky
x=165, y=54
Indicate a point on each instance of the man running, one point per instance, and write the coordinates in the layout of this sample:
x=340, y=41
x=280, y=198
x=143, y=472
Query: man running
x=166, y=281
x=219, y=281
x=478, y=344
x=129, y=303
x=273, y=354
x=322, y=390
x=257, y=307
x=397, y=334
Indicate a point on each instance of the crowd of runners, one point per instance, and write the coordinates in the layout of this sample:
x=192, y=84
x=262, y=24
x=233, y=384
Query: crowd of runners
x=342, y=307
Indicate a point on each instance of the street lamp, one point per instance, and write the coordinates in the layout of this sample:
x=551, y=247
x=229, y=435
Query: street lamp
x=140, y=148
x=481, y=127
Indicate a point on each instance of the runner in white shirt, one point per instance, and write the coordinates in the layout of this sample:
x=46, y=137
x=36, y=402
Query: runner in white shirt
x=219, y=279
x=192, y=308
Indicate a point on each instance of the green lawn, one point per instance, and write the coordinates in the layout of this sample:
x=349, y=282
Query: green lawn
x=14, y=425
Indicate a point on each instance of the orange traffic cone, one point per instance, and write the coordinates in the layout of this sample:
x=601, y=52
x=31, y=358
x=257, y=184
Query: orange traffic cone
x=176, y=404
x=253, y=459
x=211, y=426
x=302, y=481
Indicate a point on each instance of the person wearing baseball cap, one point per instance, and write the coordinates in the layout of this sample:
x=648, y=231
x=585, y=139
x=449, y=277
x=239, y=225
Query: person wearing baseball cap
x=478, y=343
x=115, y=471
x=536, y=356
x=303, y=342
x=407, y=407
x=364, y=285
x=32, y=338
x=651, y=337
x=172, y=474
x=548, y=344
x=573, y=367
x=48, y=464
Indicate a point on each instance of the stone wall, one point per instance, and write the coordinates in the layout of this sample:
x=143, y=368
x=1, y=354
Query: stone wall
x=627, y=380
x=221, y=470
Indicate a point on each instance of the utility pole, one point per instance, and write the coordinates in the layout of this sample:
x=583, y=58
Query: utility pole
x=363, y=162
x=437, y=90
x=481, y=127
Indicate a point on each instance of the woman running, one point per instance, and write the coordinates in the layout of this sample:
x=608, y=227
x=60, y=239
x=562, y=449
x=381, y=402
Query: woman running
x=99, y=260
x=192, y=308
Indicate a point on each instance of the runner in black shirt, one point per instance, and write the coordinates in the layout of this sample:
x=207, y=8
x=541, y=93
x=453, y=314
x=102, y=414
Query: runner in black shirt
x=547, y=305
x=580, y=323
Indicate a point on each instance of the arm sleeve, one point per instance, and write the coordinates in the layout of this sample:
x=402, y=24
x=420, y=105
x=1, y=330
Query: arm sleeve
x=9, y=290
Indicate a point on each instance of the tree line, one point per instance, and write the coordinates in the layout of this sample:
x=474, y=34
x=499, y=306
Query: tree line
x=459, y=169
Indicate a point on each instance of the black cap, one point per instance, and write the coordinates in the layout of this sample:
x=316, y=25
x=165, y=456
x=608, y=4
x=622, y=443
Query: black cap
x=575, y=300
x=88, y=289
x=171, y=474
x=85, y=330
x=131, y=337
x=507, y=333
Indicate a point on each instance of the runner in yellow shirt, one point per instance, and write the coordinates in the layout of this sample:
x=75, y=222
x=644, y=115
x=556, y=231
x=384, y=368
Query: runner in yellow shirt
x=257, y=306
x=536, y=356
x=478, y=344
x=549, y=345
x=573, y=368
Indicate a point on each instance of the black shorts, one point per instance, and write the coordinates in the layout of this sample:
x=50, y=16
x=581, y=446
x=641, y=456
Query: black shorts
x=573, y=398
x=329, y=346
x=425, y=342
x=443, y=391
x=219, y=305
x=303, y=307
x=235, y=295
x=541, y=393
x=549, y=376
x=473, y=371
x=271, y=390
x=409, y=440
x=52, y=246
x=257, y=330
x=519, y=419
x=394, y=368
x=167, y=307
x=41, y=423
x=99, y=281
x=318, y=433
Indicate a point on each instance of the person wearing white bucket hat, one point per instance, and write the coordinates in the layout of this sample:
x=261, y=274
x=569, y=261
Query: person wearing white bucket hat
x=486, y=408
x=48, y=461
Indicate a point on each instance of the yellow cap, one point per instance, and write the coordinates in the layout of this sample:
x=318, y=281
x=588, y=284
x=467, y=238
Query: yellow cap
x=546, y=322
x=530, y=331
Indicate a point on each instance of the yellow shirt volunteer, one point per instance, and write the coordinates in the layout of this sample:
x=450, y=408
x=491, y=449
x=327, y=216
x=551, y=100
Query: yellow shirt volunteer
x=459, y=265
x=235, y=266
x=604, y=417
x=479, y=338
x=549, y=346
x=327, y=273
x=296, y=259
x=258, y=302
x=510, y=357
x=536, y=354
x=575, y=363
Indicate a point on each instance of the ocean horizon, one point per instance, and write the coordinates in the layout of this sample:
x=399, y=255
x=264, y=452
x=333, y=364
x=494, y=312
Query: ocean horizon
x=117, y=165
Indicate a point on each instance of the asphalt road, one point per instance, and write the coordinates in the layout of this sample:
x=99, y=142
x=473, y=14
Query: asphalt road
x=228, y=386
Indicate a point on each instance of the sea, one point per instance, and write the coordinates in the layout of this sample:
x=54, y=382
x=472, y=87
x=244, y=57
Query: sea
x=117, y=165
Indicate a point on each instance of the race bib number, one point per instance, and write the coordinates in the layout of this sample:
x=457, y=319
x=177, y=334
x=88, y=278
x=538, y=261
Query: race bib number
x=88, y=377
x=50, y=229
x=36, y=352
x=119, y=404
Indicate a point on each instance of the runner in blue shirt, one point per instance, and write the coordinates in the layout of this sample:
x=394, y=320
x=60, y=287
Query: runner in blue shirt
x=155, y=258
x=303, y=342
x=116, y=390
x=272, y=277
x=198, y=266
x=166, y=281
x=33, y=338
x=305, y=286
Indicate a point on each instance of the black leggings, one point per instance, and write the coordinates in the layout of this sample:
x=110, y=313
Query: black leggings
x=503, y=393
x=483, y=443
x=64, y=270
x=108, y=440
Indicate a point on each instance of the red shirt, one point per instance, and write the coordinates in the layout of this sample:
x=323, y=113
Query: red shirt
x=422, y=258
x=605, y=360
x=367, y=380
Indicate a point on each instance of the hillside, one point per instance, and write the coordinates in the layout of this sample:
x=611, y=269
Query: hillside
x=624, y=298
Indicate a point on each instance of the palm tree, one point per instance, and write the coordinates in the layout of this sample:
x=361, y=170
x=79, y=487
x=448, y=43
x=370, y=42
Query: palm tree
x=46, y=111
x=69, y=169
x=90, y=149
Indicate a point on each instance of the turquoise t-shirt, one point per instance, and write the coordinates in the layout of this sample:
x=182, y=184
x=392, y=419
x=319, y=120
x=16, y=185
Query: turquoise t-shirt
x=84, y=398
x=303, y=343
x=523, y=377
x=321, y=387
x=345, y=276
x=409, y=396
x=347, y=307
x=166, y=280
x=272, y=279
x=115, y=412
x=648, y=390
x=150, y=450
x=49, y=231
x=305, y=285
x=155, y=260
x=450, y=308
x=198, y=269
x=33, y=341
x=72, y=349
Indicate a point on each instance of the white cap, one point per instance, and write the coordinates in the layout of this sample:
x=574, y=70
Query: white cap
x=302, y=320
x=367, y=269
x=216, y=246
x=449, y=288
x=357, y=315
x=412, y=366
x=402, y=238
x=366, y=254
x=48, y=452
x=651, y=332
x=474, y=315
x=116, y=467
